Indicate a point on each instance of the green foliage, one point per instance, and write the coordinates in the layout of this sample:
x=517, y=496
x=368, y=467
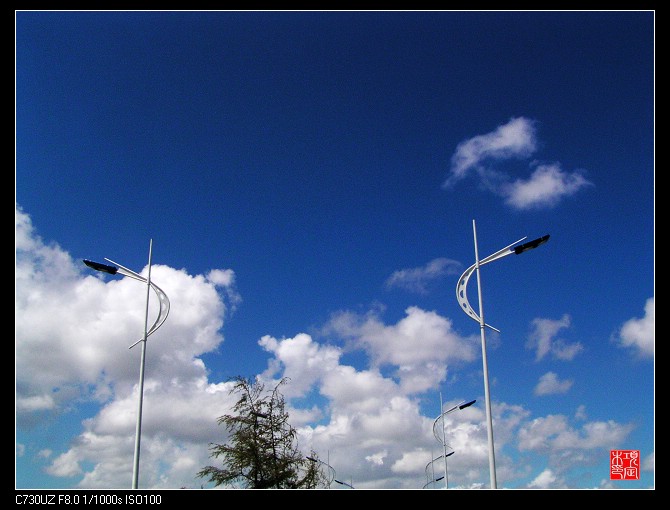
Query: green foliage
x=262, y=451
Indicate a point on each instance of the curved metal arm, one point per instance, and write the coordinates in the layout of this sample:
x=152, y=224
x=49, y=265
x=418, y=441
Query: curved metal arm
x=461, y=405
x=163, y=300
x=462, y=284
x=430, y=464
x=331, y=469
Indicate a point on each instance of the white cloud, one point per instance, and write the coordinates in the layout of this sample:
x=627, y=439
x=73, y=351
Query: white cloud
x=73, y=330
x=412, y=462
x=45, y=453
x=303, y=361
x=517, y=139
x=369, y=416
x=639, y=334
x=545, y=480
x=562, y=350
x=550, y=384
x=541, y=338
x=225, y=279
x=553, y=433
x=35, y=403
x=178, y=423
x=416, y=279
x=65, y=465
x=419, y=345
x=649, y=462
x=377, y=458
x=547, y=185
x=580, y=414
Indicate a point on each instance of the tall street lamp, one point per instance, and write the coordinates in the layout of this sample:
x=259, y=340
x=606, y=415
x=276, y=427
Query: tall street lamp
x=442, y=438
x=462, y=297
x=162, y=315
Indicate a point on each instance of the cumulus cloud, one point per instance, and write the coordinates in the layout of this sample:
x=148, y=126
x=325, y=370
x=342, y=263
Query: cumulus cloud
x=370, y=416
x=547, y=479
x=73, y=330
x=416, y=279
x=541, y=338
x=368, y=419
x=547, y=185
x=553, y=433
x=225, y=280
x=418, y=345
x=303, y=361
x=638, y=334
x=377, y=458
x=70, y=352
x=550, y=384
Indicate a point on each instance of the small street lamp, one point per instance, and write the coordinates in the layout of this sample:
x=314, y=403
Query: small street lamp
x=462, y=298
x=162, y=315
x=331, y=469
x=443, y=437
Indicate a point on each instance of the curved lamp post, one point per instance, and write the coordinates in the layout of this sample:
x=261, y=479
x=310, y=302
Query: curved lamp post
x=331, y=469
x=332, y=472
x=462, y=297
x=162, y=315
x=442, y=438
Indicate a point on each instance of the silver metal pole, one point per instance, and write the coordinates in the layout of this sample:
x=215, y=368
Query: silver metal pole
x=138, y=429
x=487, y=395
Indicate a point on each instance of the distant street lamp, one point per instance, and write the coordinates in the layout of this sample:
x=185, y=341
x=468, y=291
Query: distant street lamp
x=345, y=484
x=462, y=297
x=332, y=472
x=443, y=438
x=162, y=315
x=331, y=469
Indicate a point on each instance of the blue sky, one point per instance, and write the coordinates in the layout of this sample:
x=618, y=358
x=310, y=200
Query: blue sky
x=310, y=181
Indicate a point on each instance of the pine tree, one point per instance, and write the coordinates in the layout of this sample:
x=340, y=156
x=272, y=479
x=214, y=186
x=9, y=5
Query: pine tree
x=262, y=451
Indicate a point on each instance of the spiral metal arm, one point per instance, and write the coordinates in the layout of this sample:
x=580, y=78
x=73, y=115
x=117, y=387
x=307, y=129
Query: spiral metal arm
x=462, y=285
x=163, y=300
x=440, y=435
